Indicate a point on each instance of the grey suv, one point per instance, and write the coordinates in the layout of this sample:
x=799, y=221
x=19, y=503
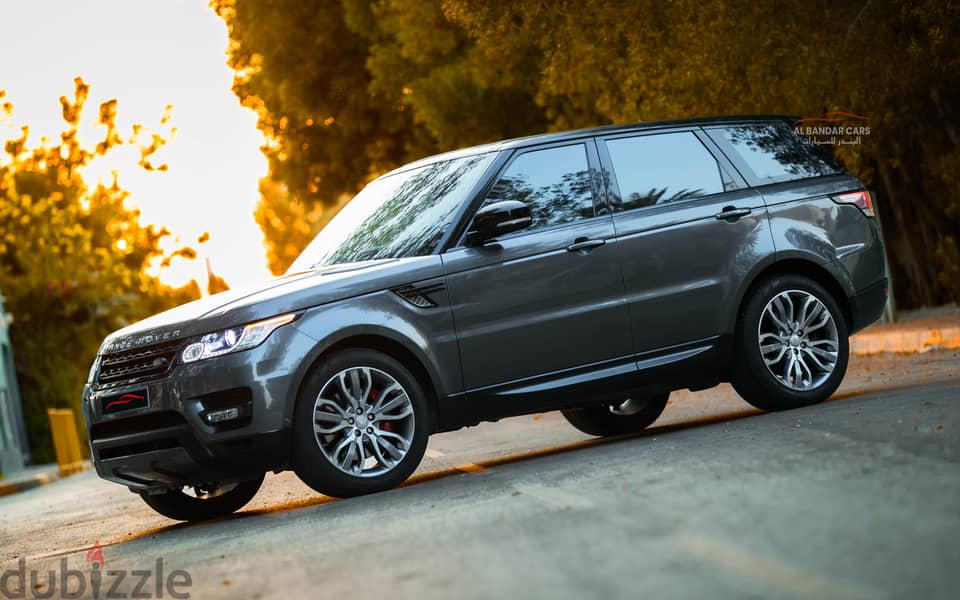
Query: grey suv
x=589, y=271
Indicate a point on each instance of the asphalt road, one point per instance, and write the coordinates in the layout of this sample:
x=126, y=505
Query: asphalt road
x=855, y=498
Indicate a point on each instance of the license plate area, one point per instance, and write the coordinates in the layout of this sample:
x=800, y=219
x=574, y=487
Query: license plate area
x=115, y=403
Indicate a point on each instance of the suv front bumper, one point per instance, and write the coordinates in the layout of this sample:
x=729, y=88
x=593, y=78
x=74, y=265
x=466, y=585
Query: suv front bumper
x=168, y=443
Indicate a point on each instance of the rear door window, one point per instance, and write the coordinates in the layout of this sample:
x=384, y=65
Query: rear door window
x=663, y=168
x=771, y=152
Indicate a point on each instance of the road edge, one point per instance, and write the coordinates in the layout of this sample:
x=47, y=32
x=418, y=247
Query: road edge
x=22, y=484
x=905, y=341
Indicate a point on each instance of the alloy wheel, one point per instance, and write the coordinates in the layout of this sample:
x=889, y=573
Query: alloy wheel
x=798, y=340
x=363, y=421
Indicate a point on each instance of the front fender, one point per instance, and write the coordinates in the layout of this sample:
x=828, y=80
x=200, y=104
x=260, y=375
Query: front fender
x=426, y=333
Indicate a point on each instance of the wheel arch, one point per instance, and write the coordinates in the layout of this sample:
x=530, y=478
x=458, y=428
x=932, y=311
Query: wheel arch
x=391, y=346
x=795, y=265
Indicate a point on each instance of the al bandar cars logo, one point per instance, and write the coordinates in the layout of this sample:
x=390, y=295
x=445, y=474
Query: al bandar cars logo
x=96, y=582
x=835, y=127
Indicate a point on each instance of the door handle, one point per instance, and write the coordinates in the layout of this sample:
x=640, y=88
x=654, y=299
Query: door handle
x=732, y=214
x=585, y=245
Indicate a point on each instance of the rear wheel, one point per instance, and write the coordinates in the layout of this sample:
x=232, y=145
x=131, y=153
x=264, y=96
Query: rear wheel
x=631, y=416
x=202, y=502
x=791, y=343
x=361, y=424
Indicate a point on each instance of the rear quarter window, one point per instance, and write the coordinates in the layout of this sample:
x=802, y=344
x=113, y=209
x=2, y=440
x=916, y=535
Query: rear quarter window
x=772, y=152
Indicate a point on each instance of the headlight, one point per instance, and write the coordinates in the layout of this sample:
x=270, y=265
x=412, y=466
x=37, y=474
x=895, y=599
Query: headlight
x=234, y=339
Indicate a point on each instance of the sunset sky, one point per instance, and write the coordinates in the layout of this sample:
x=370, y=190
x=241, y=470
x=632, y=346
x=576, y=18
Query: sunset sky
x=148, y=55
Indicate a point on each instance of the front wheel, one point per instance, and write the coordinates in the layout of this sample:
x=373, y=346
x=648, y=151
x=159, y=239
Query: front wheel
x=791, y=344
x=202, y=502
x=630, y=416
x=361, y=424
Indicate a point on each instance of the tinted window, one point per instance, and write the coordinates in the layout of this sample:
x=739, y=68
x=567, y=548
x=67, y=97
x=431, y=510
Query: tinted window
x=404, y=214
x=773, y=152
x=555, y=183
x=656, y=169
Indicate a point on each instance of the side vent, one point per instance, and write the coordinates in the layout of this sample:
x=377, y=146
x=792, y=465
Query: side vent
x=419, y=295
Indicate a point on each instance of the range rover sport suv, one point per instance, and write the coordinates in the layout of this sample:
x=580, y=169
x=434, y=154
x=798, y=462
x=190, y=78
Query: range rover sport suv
x=591, y=271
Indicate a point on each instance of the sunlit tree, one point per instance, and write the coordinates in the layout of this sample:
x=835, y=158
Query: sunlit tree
x=72, y=259
x=348, y=89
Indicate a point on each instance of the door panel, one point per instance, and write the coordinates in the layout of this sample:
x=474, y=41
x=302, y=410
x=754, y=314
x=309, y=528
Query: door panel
x=525, y=305
x=682, y=266
x=689, y=231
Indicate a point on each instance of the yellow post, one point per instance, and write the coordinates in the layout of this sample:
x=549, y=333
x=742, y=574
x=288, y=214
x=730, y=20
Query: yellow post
x=63, y=427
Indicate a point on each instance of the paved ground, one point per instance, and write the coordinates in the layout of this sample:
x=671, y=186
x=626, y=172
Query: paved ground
x=855, y=498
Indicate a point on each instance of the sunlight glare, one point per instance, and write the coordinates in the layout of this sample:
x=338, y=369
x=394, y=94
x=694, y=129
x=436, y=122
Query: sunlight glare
x=148, y=55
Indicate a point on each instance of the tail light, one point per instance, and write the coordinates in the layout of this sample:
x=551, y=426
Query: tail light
x=861, y=199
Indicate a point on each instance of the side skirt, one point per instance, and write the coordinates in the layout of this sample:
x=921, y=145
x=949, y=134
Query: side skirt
x=694, y=365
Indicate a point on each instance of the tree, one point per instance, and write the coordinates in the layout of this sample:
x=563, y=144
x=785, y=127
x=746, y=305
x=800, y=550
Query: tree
x=646, y=60
x=288, y=224
x=72, y=261
x=396, y=79
x=382, y=85
x=424, y=65
x=301, y=69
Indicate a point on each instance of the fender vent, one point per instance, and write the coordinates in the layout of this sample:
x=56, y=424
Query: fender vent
x=419, y=295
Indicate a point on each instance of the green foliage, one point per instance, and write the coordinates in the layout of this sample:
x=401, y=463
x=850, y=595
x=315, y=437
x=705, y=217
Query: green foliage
x=345, y=91
x=301, y=68
x=385, y=81
x=424, y=65
x=71, y=262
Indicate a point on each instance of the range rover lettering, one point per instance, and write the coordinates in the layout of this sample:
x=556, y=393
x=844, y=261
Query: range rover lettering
x=591, y=272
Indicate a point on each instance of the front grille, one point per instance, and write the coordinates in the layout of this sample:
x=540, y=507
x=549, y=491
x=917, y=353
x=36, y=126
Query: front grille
x=139, y=363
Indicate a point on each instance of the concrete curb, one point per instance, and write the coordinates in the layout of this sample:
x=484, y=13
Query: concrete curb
x=21, y=484
x=904, y=341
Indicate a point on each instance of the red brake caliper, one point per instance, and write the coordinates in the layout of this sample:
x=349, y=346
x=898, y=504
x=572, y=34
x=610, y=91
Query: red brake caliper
x=385, y=425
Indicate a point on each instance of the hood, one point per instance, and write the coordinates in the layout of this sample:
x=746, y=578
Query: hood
x=283, y=294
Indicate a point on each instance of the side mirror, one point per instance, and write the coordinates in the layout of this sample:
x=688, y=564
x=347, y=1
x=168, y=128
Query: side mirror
x=498, y=219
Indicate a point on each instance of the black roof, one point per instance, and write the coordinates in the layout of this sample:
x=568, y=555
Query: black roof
x=559, y=136
x=545, y=138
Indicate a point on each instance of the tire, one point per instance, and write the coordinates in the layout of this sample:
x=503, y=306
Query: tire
x=815, y=377
x=178, y=505
x=603, y=421
x=391, y=444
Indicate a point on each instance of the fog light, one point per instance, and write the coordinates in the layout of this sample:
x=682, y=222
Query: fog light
x=219, y=416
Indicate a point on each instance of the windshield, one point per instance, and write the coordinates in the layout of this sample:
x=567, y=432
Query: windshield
x=399, y=215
